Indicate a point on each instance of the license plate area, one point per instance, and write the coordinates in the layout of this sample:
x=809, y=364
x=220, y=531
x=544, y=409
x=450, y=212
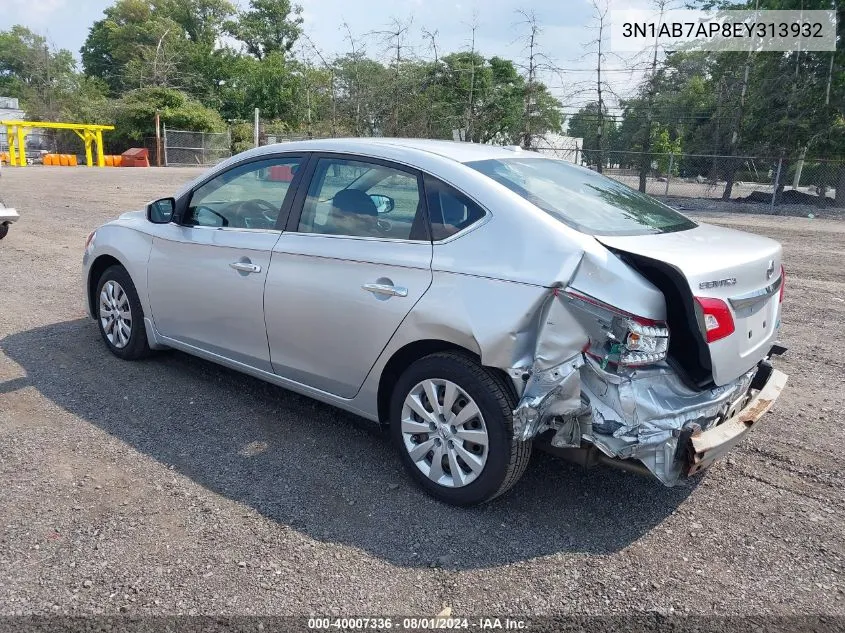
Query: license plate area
x=755, y=323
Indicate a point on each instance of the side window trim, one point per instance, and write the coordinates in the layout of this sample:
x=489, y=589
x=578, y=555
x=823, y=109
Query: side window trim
x=298, y=202
x=293, y=191
x=184, y=203
x=430, y=180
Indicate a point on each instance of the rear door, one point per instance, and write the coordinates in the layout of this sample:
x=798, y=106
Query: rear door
x=355, y=258
x=206, y=274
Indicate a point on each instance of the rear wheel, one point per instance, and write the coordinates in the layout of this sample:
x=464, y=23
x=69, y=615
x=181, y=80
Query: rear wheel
x=451, y=420
x=4, y=229
x=120, y=316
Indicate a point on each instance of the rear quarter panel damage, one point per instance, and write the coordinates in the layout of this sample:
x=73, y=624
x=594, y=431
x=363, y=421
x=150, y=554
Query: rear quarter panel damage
x=531, y=331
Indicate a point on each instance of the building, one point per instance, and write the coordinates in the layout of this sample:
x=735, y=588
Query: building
x=9, y=111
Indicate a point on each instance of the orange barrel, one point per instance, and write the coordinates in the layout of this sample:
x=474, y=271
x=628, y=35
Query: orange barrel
x=48, y=159
x=109, y=160
x=118, y=160
x=71, y=160
x=63, y=160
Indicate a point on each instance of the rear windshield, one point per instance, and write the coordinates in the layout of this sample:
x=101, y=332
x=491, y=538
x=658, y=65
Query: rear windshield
x=583, y=199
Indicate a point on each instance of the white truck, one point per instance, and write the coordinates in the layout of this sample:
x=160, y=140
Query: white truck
x=7, y=215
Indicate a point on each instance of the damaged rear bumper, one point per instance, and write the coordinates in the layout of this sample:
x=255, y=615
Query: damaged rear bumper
x=706, y=447
x=645, y=419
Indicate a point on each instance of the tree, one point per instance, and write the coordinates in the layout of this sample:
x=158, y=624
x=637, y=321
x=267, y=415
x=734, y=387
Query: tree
x=364, y=99
x=538, y=116
x=135, y=113
x=268, y=27
x=46, y=81
x=202, y=21
x=168, y=43
x=593, y=124
x=395, y=40
x=125, y=48
x=498, y=103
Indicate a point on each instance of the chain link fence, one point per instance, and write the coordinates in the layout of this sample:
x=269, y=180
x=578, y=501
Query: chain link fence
x=763, y=181
x=186, y=148
x=752, y=179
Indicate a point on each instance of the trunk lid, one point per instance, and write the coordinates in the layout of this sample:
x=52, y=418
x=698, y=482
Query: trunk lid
x=742, y=269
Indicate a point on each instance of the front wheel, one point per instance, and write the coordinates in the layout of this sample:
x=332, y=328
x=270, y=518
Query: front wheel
x=120, y=316
x=451, y=420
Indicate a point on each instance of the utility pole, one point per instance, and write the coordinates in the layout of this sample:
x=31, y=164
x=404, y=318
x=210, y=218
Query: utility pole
x=470, y=114
x=531, y=20
x=602, y=14
x=645, y=159
x=158, y=139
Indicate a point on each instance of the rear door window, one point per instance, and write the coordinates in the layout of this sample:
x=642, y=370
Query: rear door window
x=449, y=210
x=359, y=198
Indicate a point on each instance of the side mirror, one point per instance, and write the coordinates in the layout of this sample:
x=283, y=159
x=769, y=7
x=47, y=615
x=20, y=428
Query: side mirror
x=161, y=211
x=384, y=204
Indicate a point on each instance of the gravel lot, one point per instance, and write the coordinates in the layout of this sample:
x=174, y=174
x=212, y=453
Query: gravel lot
x=175, y=486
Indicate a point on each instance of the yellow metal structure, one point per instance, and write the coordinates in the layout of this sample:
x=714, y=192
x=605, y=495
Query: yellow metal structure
x=16, y=132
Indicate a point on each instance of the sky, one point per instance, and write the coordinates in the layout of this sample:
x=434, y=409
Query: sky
x=565, y=35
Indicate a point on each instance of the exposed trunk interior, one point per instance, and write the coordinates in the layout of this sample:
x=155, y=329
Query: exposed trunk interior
x=688, y=351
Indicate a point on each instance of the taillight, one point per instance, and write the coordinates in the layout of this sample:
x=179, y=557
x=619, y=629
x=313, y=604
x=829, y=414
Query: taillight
x=626, y=339
x=782, y=284
x=641, y=344
x=718, y=322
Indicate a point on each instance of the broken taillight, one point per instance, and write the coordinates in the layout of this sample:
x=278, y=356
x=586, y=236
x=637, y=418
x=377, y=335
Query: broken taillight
x=641, y=344
x=718, y=321
x=626, y=339
x=782, y=284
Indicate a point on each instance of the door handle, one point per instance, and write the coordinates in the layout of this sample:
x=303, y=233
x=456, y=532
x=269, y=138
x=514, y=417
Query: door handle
x=386, y=289
x=245, y=267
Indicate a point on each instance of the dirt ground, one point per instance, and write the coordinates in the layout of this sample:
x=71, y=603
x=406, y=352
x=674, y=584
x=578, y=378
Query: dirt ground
x=175, y=486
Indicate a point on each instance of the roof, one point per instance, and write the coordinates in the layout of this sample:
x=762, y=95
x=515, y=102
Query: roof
x=457, y=151
x=422, y=154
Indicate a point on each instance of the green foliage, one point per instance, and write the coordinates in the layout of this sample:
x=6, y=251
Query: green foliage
x=485, y=97
x=816, y=174
x=135, y=113
x=735, y=103
x=268, y=27
x=46, y=81
x=663, y=145
x=585, y=123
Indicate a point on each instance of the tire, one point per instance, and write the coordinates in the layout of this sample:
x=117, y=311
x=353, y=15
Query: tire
x=118, y=285
x=4, y=230
x=504, y=459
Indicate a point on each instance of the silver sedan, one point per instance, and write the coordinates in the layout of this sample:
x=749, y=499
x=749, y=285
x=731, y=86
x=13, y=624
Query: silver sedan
x=475, y=300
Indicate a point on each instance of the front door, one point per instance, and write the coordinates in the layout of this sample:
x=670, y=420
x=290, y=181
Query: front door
x=207, y=274
x=356, y=259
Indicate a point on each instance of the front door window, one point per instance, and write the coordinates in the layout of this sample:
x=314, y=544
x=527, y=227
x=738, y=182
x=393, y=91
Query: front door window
x=248, y=196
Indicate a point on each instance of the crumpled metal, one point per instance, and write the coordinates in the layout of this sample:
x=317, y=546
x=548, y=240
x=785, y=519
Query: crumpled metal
x=642, y=414
x=635, y=413
x=548, y=393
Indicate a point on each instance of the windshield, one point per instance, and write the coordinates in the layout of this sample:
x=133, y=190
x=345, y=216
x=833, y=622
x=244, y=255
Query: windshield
x=583, y=199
